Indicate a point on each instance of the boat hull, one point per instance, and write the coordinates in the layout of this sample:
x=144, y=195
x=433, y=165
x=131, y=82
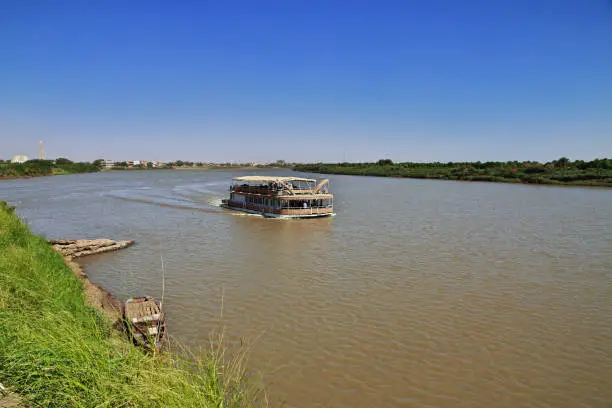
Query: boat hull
x=145, y=322
x=279, y=216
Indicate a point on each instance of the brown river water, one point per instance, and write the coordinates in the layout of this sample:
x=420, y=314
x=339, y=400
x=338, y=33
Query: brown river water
x=417, y=294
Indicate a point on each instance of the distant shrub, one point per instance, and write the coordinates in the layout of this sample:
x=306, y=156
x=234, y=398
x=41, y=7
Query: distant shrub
x=63, y=160
x=385, y=162
x=534, y=170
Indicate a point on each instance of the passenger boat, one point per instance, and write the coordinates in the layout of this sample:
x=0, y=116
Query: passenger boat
x=145, y=322
x=281, y=197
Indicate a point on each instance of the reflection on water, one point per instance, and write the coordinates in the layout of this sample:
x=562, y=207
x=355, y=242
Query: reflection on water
x=418, y=293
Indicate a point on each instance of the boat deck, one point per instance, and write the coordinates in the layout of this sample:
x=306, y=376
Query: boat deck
x=145, y=311
x=281, y=197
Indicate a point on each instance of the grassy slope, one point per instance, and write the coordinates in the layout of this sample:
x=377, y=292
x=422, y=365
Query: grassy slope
x=58, y=352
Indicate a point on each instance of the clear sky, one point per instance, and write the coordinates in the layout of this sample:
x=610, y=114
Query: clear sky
x=307, y=80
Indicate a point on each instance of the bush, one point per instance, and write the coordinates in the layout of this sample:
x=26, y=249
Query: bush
x=62, y=161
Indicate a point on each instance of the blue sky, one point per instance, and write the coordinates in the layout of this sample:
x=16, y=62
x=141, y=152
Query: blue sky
x=307, y=81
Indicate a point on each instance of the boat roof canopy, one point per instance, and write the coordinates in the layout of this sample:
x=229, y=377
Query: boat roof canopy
x=271, y=179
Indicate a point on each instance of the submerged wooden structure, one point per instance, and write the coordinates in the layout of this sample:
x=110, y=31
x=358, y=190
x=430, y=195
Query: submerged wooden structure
x=281, y=197
x=145, y=322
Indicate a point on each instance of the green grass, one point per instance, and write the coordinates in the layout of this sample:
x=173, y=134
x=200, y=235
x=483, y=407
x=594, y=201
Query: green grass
x=56, y=351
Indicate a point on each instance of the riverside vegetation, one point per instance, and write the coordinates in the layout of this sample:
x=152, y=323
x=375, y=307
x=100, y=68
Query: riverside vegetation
x=563, y=171
x=57, y=351
x=37, y=168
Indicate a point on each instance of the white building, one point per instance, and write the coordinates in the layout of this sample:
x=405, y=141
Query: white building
x=19, y=159
x=107, y=164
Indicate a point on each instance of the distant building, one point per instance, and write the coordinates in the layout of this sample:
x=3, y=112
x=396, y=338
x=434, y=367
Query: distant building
x=19, y=159
x=107, y=164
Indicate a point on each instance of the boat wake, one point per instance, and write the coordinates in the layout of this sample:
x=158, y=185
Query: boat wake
x=216, y=202
x=190, y=197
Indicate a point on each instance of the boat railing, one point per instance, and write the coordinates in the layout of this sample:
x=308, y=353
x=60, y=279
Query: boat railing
x=299, y=205
x=270, y=190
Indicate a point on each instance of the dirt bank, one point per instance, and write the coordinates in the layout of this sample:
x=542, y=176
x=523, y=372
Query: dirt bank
x=9, y=399
x=95, y=295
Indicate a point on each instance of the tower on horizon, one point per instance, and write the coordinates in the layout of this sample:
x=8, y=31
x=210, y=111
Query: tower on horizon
x=41, y=150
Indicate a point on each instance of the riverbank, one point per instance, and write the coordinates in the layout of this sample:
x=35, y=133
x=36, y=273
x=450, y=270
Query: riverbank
x=596, y=173
x=230, y=168
x=57, y=350
x=9, y=171
x=95, y=295
x=41, y=168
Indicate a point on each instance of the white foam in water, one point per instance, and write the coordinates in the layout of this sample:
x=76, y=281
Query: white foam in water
x=244, y=214
x=199, y=188
x=216, y=202
x=197, y=196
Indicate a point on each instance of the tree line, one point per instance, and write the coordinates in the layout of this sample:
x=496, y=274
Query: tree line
x=186, y=163
x=596, y=172
x=37, y=167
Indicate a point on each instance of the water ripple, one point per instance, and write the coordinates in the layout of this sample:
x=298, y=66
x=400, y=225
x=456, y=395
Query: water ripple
x=419, y=293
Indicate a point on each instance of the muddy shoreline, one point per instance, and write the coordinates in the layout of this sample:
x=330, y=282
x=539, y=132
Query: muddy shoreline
x=95, y=295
